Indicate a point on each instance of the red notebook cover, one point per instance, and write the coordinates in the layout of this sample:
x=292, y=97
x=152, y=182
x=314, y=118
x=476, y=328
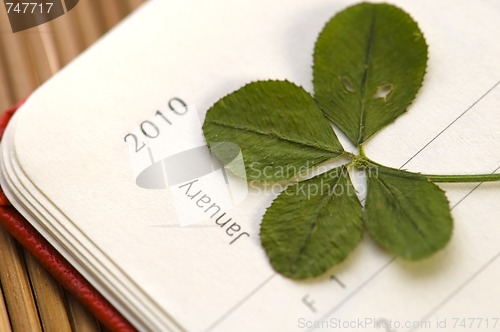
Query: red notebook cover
x=57, y=266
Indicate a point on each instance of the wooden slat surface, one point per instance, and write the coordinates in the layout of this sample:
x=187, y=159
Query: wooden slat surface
x=30, y=299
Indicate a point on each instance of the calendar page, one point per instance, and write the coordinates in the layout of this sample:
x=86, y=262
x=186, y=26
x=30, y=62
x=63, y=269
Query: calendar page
x=108, y=161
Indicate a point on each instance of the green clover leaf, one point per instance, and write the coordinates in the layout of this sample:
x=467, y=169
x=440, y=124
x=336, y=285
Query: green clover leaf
x=369, y=63
x=267, y=120
x=406, y=213
x=312, y=225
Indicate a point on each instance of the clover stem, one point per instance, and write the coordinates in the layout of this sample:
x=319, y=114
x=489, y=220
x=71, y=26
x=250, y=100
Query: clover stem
x=463, y=178
x=349, y=155
x=361, y=151
x=450, y=178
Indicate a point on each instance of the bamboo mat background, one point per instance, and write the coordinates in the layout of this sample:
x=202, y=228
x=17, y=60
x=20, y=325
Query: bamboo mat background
x=30, y=299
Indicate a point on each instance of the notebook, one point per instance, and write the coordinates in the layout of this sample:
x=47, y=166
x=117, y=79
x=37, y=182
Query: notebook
x=89, y=161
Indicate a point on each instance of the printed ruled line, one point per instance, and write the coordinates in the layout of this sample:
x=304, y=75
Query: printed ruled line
x=356, y=291
x=459, y=289
x=452, y=123
x=239, y=304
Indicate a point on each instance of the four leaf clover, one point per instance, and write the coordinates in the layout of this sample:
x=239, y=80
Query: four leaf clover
x=369, y=63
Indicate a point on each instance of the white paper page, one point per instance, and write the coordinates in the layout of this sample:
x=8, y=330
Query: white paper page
x=70, y=143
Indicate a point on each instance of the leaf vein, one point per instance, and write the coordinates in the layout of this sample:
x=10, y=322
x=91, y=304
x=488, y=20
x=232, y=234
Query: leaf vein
x=314, y=224
x=275, y=135
x=364, y=79
x=415, y=225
